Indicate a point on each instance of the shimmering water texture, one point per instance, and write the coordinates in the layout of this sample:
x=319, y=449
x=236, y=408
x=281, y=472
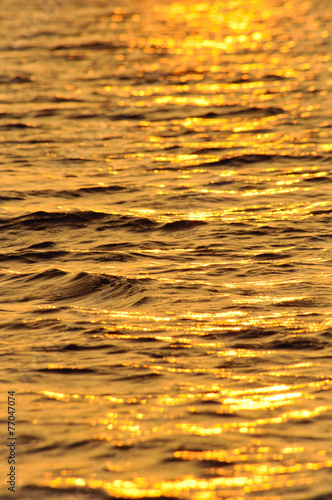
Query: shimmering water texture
x=166, y=260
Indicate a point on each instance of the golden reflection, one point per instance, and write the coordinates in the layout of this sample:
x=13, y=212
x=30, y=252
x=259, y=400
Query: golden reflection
x=250, y=427
x=140, y=487
x=204, y=323
x=215, y=112
x=284, y=212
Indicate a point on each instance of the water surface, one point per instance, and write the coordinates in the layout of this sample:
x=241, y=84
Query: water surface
x=166, y=261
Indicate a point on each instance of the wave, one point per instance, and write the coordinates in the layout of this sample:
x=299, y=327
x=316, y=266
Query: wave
x=43, y=220
x=67, y=193
x=56, y=285
x=182, y=224
x=90, y=46
x=46, y=220
x=30, y=257
x=22, y=78
x=19, y=125
x=75, y=492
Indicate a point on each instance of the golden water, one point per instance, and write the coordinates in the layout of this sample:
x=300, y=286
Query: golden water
x=166, y=219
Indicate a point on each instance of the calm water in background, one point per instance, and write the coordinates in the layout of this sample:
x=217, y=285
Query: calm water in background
x=166, y=265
